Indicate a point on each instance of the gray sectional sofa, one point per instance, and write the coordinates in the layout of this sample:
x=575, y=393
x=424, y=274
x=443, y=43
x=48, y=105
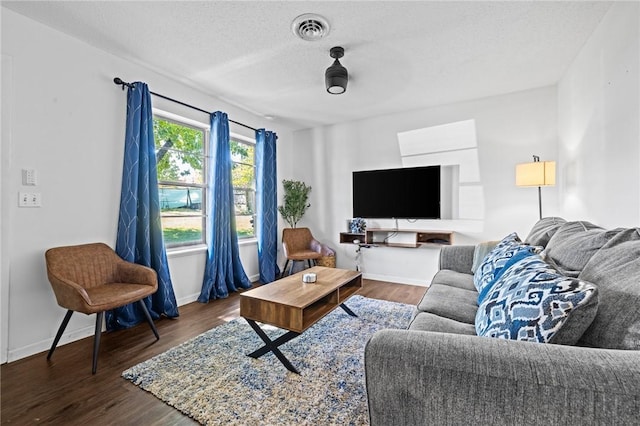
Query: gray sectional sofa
x=440, y=371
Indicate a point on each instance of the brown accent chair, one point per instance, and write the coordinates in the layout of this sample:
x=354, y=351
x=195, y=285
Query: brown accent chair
x=299, y=245
x=92, y=279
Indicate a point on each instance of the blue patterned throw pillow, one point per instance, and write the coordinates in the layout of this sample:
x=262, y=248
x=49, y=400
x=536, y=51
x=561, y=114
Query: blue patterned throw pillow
x=516, y=256
x=533, y=302
x=493, y=264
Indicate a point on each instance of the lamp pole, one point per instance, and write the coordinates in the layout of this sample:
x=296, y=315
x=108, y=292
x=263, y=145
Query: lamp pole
x=536, y=159
x=540, y=201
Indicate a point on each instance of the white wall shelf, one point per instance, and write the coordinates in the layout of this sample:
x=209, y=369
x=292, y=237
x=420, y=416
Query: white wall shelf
x=406, y=238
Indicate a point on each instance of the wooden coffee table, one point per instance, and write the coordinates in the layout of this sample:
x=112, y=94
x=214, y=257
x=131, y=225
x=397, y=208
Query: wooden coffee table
x=293, y=305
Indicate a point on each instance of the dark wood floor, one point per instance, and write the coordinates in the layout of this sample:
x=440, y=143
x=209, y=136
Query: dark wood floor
x=63, y=390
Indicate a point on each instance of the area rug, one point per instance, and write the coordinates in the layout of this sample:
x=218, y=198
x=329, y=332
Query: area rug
x=212, y=380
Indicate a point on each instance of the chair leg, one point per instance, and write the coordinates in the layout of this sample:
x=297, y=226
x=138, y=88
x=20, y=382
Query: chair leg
x=96, y=341
x=293, y=264
x=149, y=320
x=63, y=326
x=284, y=269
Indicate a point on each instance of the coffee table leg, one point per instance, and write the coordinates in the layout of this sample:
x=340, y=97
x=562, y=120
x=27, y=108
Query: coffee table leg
x=347, y=310
x=272, y=345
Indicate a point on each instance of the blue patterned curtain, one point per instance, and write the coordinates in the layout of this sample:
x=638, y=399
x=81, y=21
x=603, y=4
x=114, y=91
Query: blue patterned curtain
x=266, y=205
x=224, y=271
x=139, y=237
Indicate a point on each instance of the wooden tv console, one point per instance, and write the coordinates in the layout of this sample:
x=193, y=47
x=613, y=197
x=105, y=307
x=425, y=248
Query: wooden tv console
x=408, y=238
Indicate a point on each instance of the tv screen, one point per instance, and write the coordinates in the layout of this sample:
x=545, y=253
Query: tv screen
x=407, y=193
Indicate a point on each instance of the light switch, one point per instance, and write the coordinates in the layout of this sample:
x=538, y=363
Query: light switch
x=29, y=177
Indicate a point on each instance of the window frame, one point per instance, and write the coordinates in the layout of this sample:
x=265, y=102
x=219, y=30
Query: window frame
x=246, y=140
x=205, y=128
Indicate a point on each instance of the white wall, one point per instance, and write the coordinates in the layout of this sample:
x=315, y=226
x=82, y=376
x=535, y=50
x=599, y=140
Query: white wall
x=599, y=124
x=65, y=118
x=509, y=129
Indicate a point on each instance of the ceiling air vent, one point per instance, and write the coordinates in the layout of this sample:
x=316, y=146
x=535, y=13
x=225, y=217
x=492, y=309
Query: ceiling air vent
x=310, y=27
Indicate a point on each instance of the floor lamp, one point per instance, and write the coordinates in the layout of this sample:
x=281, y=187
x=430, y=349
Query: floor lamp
x=539, y=173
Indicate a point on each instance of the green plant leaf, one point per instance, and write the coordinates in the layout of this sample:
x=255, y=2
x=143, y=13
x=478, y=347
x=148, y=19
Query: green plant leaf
x=296, y=201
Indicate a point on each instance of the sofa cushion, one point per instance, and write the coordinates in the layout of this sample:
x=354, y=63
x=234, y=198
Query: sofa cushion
x=454, y=279
x=457, y=258
x=615, y=269
x=533, y=302
x=574, y=243
x=450, y=302
x=492, y=265
x=480, y=252
x=425, y=321
x=543, y=230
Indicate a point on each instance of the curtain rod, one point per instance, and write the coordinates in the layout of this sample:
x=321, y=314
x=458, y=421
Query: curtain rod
x=119, y=82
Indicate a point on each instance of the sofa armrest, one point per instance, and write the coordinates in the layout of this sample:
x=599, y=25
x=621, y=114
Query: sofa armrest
x=420, y=377
x=457, y=258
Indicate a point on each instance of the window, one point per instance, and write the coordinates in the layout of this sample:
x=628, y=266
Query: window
x=181, y=160
x=182, y=166
x=243, y=177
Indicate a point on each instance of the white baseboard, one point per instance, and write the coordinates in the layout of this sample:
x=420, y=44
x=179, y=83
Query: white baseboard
x=194, y=296
x=398, y=280
x=45, y=345
x=188, y=299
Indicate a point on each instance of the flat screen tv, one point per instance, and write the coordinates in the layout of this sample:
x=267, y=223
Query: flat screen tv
x=407, y=193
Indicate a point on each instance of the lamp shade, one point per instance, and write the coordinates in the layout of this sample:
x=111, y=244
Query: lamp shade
x=336, y=78
x=538, y=173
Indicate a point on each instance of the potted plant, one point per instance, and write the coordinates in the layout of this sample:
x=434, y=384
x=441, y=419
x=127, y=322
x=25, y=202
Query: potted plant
x=296, y=196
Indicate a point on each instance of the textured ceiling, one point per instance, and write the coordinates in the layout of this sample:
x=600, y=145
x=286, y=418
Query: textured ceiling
x=400, y=55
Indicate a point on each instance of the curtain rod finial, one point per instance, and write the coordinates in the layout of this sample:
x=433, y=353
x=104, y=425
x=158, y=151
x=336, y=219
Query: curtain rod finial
x=119, y=82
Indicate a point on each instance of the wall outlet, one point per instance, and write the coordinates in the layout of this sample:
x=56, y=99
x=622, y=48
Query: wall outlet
x=29, y=199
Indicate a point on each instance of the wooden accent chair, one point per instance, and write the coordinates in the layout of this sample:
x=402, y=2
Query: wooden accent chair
x=92, y=279
x=299, y=245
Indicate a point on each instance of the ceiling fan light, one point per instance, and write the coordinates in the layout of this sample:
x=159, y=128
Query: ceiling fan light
x=336, y=76
x=336, y=90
